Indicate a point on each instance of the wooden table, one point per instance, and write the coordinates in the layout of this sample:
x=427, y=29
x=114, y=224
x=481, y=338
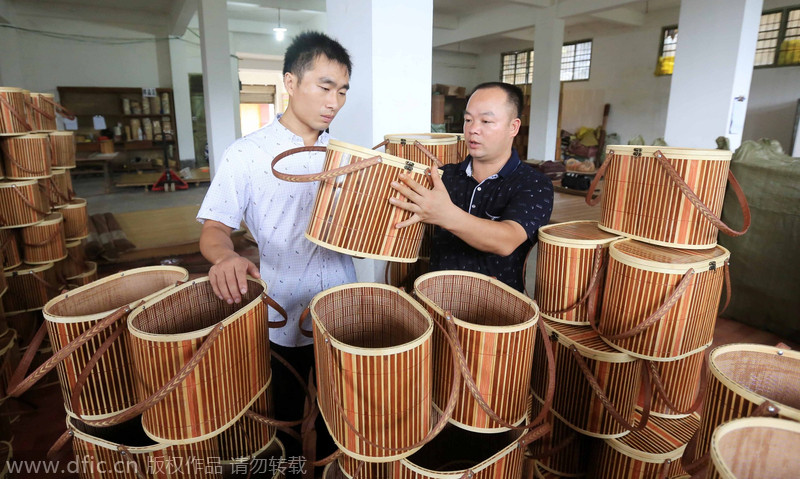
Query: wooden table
x=104, y=161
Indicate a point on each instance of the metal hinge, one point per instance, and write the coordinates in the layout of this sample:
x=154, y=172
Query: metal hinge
x=712, y=265
x=637, y=152
x=409, y=166
x=402, y=141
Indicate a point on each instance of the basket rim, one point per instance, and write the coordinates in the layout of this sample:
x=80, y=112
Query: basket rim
x=358, y=254
x=667, y=268
x=27, y=136
x=61, y=133
x=275, y=441
x=386, y=158
x=664, y=359
x=97, y=316
x=54, y=217
x=675, y=152
x=108, y=444
x=12, y=89
x=757, y=399
x=481, y=430
x=720, y=464
x=667, y=244
x=198, y=333
x=424, y=138
x=361, y=351
x=549, y=238
x=586, y=351
x=43, y=94
x=25, y=182
x=22, y=270
x=655, y=458
x=92, y=270
x=12, y=340
x=528, y=323
x=75, y=203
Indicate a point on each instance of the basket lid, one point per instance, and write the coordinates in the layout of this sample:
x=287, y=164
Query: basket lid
x=57, y=171
x=28, y=136
x=73, y=243
x=578, y=233
x=51, y=219
x=386, y=158
x=61, y=133
x=586, y=341
x=49, y=95
x=667, y=260
x=76, y=203
x=424, y=138
x=670, y=153
x=11, y=89
x=18, y=183
x=663, y=438
x=756, y=443
x=26, y=268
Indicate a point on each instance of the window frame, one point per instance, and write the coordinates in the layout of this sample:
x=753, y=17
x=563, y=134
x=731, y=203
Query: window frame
x=784, y=24
x=528, y=65
x=590, y=41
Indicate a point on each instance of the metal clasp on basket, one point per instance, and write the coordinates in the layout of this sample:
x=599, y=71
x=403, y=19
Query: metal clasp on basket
x=409, y=166
x=402, y=141
x=712, y=265
x=637, y=152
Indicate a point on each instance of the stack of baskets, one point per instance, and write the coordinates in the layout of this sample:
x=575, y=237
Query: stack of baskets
x=632, y=301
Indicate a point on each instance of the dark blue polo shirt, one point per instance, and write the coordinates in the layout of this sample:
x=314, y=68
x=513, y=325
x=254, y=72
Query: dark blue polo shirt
x=517, y=192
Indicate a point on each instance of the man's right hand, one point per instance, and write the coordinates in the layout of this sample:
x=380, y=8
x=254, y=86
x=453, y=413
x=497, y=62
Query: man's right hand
x=229, y=277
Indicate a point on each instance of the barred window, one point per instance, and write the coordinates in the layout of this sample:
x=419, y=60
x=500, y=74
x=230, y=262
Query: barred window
x=576, y=59
x=517, y=67
x=779, y=38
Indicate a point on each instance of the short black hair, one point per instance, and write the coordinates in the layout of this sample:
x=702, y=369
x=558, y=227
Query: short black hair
x=513, y=93
x=307, y=46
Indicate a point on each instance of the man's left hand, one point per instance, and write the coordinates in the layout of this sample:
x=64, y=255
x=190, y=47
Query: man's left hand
x=429, y=206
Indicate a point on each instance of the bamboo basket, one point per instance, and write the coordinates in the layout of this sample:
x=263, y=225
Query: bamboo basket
x=88, y=276
x=24, y=324
x=27, y=156
x=352, y=468
x=44, y=242
x=575, y=403
x=272, y=463
x=30, y=287
x=13, y=120
x=645, y=454
x=644, y=279
x=352, y=213
x=63, y=144
x=75, y=262
x=372, y=345
x=76, y=219
x=248, y=438
x=334, y=471
x=743, y=378
x=643, y=199
x=756, y=447
x=569, y=270
x=60, y=187
x=10, y=248
x=444, y=146
x=44, y=112
x=496, y=326
x=128, y=448
x=109, y=388
x=681, y=380
x=21, y=204
x=569, y=449
x=462, y=150
x=166, y=332
x=47, y=193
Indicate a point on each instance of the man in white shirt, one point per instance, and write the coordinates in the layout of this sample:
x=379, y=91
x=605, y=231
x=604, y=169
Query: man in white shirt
x=316, y=76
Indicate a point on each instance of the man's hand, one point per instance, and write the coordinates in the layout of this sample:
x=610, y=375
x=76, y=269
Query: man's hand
x=229, y=277
x=429, y=206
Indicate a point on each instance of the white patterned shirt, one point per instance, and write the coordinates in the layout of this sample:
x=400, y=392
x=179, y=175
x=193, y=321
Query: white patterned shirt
x=277, y=213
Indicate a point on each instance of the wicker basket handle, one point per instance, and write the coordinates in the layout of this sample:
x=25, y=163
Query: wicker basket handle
x=598, y=391
x=16, y=114
x=20, y=167
x=448, y=411
x=277, y=307
x=469, y=380
x=56, y=233
x=383, y=143
x=305, y=332
x=62, y=441
x=17, y=385
x=655, y=317
x=428, y=153
x=127, y=456
x=592, y=200
x=164, y=390
x=701, y=392
x=27, y=201
x=555, y=449
x=66, y=198
x=598, y=266
x=59, y=108
x=728, y=287
x=701, y=207
x=38, y=110
x=342, y=170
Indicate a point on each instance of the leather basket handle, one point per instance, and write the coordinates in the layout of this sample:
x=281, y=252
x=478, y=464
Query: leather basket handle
x=342, y=170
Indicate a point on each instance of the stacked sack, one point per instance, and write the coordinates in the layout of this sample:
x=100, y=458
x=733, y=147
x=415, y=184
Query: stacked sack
x=632, y=301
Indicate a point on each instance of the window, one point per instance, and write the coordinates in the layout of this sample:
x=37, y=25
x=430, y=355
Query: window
x=779, y=38
x=517, y=67
x=576, y=58
x=669, y=42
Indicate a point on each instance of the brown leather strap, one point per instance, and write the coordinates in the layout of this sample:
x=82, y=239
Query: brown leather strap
x=305, y=332
x=598, y=391
x=590, y=199
x=60, y=443
x=17, y=385
x=383, y=143
x=16, y=114
x=727, y=267
x=663, y=471
x=342, y=170
x=60, y=108
x=41, y=280
x=61, y=195
x=655, y=317
x=698, y=203
x=25, y=362
x=783, y=345
x=428, y=153
x=128, y=457
x=27, y=201
x=20, y=167
x=555, y=449
x=285, y=426
x=701, y=392
x=39, y=110
x=77, y=389
x=597, y=268
x=56, y=233
x=164, y=390
x=277, y=307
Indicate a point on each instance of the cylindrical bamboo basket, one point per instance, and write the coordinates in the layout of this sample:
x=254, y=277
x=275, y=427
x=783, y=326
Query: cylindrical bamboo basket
x=87, y=276
x=12, y=111
x=647, y=453
x=496, y=326
x=681, y=381
x=44, y=119
x=248, y=438
x=756, y=447
x=642, y=202
x=76, y=219
x=123, y=450
x=372, y=345
x=743, y=377
x=462, y=150
x=109, y=388
x=574, y=402
x=444, y=146
x=165, y=333
x=21, y=204
x=63, y=149
x=27, y=156
x=47, y=193
x=641, y=278
x=10, y=247
x=44, y=242
x=456, y=453
x=565, y=267
x=270, y=463
x=60, y=187
x=352, y=468
x=565, y=451
x=75, y=262
x=30, y=287
x=352, y=213
x=29, y=118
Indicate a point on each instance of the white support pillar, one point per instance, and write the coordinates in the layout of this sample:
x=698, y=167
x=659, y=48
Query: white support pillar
x=219, y=91
x=713, y=68
x=543, y=129
x=390, y=44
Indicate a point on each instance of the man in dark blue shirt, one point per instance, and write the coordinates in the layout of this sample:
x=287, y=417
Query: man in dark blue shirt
x=489, y=207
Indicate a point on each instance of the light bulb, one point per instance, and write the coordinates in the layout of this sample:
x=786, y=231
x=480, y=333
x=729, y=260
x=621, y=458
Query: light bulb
x=279, y=33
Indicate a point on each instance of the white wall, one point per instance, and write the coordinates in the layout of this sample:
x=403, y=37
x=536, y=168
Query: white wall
x=452, y=68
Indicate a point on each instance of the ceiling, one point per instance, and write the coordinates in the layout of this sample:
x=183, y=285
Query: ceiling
x=472, y=26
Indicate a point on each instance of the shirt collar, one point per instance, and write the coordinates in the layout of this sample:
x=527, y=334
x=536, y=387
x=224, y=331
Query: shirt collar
x=322, y=139
x=511, y=165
